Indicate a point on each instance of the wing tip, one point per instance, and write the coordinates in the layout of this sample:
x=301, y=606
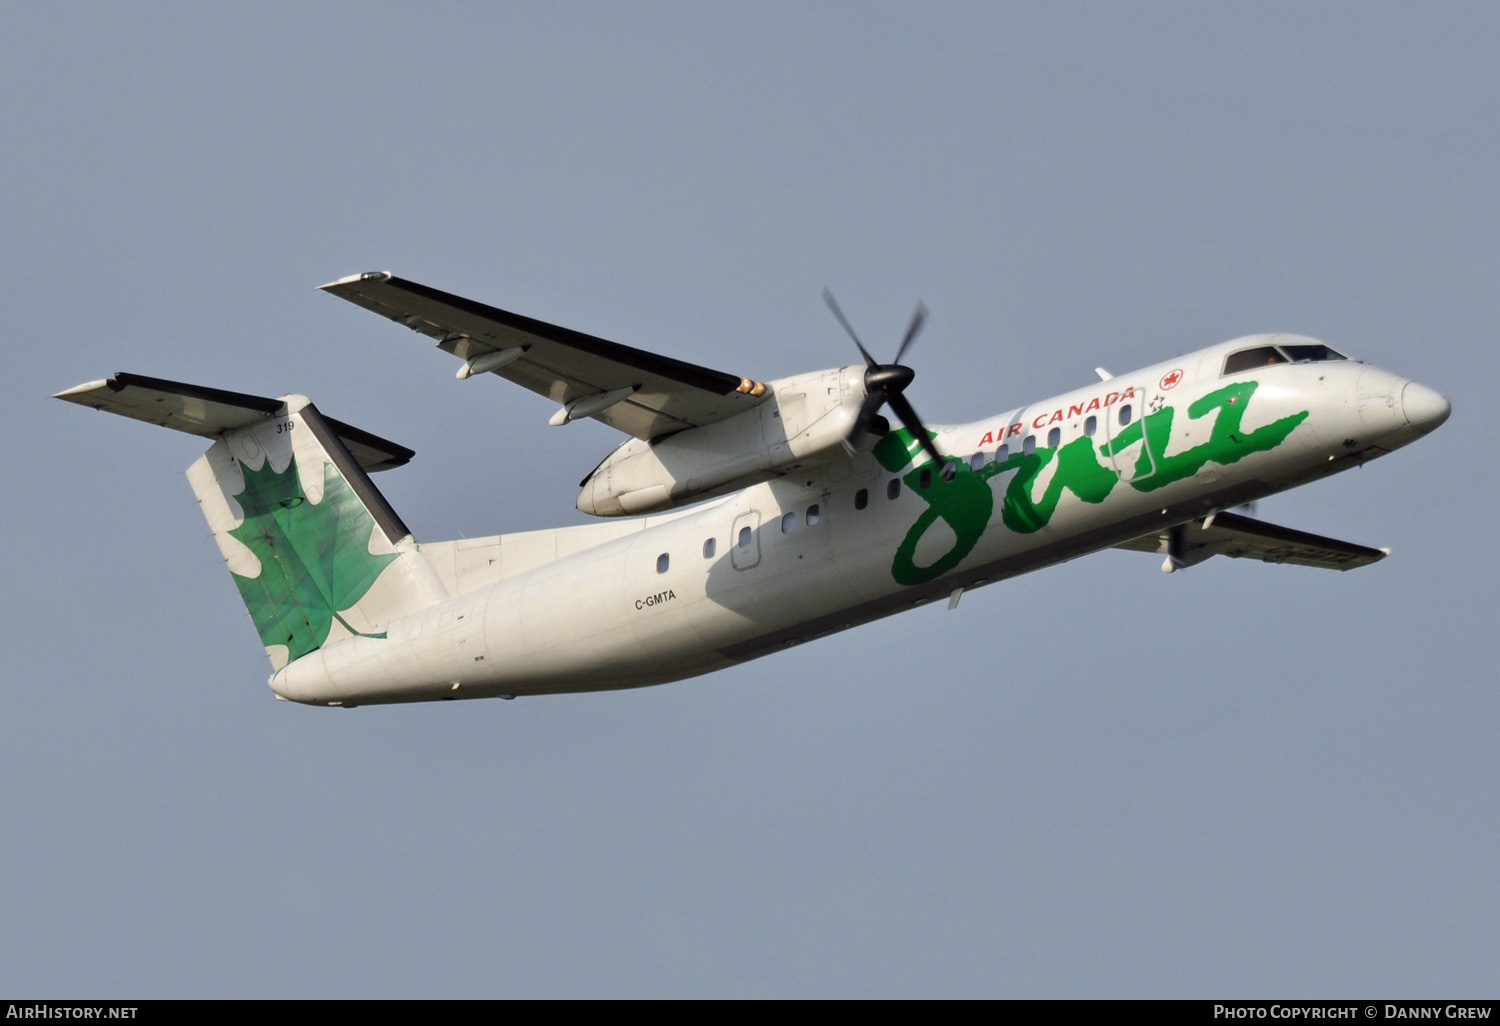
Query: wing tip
x=355, y=279
x=71, y=394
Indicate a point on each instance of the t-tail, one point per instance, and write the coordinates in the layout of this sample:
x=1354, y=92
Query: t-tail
x=317, y=553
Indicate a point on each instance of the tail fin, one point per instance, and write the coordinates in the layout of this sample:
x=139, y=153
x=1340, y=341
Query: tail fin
x=316, y=551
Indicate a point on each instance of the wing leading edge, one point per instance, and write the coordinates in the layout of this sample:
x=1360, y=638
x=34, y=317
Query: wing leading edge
x=641, y=393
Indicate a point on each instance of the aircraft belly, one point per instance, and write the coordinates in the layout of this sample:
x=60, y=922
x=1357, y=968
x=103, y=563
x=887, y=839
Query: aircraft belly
x=766, y=604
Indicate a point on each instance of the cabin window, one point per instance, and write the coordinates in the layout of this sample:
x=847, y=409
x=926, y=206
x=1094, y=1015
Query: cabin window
x=1249, y=359
x=812, y=514
x=1028, y=444
x=861, y=498
x=662, y=562
x=789, y=522
x=924, y=478
x=949, y=470
x=1124, y=414
x=1002, y=453
x=976, y=462
x=893, y=489
x=1053, y=437
x=745, y=538
x=708, y=549
x=1091, y=425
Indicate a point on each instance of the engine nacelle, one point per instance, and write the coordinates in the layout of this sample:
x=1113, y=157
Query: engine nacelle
x=804, y=421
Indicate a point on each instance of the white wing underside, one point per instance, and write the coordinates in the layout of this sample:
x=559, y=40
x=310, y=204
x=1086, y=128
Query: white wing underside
x=1241, y=537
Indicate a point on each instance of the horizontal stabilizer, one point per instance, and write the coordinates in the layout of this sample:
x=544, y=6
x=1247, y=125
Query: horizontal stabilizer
x=210, y=412
x=1242, y=537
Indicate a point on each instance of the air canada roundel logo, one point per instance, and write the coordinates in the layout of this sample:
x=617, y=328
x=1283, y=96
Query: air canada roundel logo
x=1171, y=378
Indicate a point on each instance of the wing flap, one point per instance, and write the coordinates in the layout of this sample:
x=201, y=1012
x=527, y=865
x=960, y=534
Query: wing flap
x=1242, y=537
x=562, y=364
x=210, y=412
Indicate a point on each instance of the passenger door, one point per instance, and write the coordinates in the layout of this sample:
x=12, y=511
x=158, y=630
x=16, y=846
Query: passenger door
x=744, y=541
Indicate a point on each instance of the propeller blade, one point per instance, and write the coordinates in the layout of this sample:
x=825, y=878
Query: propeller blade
x=834, y=306
x=885, y=383
x=908, y=417
x=918, y=318
x=864, y=424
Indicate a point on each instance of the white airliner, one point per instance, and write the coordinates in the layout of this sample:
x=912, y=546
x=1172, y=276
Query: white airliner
x=741, y=517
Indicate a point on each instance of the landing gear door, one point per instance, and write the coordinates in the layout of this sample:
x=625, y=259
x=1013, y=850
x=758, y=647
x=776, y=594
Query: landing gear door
x=744, y=541
x=1131, y=445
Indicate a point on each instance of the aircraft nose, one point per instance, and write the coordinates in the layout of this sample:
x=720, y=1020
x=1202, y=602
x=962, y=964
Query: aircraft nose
x=1425, y=409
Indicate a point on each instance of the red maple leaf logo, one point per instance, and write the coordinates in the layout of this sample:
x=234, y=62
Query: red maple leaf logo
x=1171, y=378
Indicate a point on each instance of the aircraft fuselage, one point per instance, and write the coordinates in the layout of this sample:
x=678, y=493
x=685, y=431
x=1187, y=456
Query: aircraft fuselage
x=643, y=601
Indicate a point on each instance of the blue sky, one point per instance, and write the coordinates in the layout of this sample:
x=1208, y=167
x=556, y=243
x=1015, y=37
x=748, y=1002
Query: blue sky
x=1097, y=780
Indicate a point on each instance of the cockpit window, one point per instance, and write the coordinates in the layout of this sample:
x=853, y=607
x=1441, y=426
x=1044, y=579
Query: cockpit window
x=1264, y=356
x=1311, y=353
x=1249, y=359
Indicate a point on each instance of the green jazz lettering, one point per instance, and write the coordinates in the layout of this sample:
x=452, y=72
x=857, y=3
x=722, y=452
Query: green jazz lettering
x=963, y=499
x=1227, y=442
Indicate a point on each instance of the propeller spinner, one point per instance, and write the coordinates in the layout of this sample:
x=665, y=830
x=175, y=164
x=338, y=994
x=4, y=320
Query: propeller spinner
x=885, y=383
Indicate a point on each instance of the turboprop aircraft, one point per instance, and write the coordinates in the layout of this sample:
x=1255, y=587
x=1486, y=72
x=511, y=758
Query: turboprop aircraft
x=741, y=517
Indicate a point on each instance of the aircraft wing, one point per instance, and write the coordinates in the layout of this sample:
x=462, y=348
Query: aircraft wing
x=1242, y=537
x=648, y=396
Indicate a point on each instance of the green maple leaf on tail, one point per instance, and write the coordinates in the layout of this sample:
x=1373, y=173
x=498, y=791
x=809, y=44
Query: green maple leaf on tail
x=315, y=558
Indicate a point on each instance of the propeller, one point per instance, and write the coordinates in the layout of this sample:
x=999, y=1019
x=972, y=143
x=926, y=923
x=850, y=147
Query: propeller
x=884, y=384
